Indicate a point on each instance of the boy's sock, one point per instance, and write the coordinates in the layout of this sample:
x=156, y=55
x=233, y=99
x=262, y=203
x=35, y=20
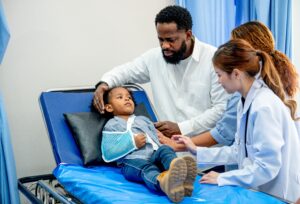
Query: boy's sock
x=171, y=181
x=191, y=175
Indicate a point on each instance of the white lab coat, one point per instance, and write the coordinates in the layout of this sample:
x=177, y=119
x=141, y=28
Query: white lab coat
x=273, y=162
x=196, y=103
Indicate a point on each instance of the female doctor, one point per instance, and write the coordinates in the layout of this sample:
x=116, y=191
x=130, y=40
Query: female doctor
x=266, y=142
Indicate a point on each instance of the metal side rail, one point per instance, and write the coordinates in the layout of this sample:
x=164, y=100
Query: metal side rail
x=43, y=189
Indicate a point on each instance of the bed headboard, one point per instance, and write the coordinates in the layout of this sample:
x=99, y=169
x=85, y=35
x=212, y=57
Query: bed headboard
x=55, y=103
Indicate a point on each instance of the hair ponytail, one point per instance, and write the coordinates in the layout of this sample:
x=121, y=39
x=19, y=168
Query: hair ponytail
x=272, y=78
x=260, y=37
x=287, y=72
x=239, y=54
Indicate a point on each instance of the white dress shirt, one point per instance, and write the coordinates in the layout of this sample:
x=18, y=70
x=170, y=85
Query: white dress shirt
x=196, y=103
x=272, y=144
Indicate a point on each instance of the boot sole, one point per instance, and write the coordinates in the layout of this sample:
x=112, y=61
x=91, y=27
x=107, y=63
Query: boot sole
x=177, y=175
x=191, y=175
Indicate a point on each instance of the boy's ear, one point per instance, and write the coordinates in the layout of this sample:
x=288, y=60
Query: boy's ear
x=108, y=108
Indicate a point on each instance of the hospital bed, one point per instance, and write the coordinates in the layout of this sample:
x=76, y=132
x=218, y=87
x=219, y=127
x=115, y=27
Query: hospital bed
x=73, y=182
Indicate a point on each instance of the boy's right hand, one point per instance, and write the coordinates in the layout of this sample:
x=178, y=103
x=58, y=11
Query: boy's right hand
x=140, y=140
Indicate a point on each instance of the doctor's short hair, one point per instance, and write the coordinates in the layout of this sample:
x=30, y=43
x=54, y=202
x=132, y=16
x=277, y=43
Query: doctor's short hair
x=176, y=14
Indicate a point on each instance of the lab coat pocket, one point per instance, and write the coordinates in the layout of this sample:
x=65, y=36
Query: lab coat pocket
x=246, y=162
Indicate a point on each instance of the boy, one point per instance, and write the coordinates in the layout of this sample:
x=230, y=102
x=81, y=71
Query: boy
x=132, y=142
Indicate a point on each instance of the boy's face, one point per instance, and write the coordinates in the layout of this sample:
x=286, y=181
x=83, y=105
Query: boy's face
x=120, y=102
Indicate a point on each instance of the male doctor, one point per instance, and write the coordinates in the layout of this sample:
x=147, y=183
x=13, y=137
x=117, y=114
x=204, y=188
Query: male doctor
x=187, y=96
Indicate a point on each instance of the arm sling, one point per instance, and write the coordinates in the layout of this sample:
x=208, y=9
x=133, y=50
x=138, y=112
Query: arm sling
x=116, y=145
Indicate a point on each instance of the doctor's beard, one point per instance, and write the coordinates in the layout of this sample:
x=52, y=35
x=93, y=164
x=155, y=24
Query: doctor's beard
x=177, y=55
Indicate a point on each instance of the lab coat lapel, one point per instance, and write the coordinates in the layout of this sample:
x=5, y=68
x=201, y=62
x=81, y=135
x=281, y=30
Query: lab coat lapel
x=257, y=84
x=242, y=116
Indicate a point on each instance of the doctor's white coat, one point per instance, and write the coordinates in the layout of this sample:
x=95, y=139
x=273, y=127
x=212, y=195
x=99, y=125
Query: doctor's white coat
x=272, y=145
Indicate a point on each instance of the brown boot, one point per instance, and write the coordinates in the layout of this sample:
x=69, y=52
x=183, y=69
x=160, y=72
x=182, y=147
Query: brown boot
x=191, y=175
x=171, y=181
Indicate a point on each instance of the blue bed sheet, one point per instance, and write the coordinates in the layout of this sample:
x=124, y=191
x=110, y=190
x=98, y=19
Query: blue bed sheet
x=103, y=184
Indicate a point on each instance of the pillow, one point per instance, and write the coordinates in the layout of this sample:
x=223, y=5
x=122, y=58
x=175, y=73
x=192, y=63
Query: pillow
x=86, y=128
x=87, y=132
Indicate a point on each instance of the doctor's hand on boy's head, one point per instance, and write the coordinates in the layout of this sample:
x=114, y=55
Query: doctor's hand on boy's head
x=168, y=128
x=211, y=178
x=140, y=140
x=98, y=97
x=181, y=139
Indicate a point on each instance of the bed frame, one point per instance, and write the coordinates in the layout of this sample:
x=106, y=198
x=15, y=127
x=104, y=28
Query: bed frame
x=49, y=189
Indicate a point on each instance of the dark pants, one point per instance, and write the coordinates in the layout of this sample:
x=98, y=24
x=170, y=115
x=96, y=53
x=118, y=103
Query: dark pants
x=146, y=171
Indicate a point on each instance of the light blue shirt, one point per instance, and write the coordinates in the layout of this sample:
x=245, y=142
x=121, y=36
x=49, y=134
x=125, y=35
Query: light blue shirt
x=225, y=128
x=140, y=124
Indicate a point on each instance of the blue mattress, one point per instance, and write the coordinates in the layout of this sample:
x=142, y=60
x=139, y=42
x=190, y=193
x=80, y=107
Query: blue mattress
x=103, y=184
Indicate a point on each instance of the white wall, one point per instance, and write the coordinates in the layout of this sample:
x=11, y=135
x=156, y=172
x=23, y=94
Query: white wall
x=62, y=43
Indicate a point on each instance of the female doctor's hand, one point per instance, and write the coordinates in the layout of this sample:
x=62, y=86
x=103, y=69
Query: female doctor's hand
x=181, y=139
x=211, y=178
x=171, y=143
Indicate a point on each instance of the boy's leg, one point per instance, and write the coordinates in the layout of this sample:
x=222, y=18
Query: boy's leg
x=171, y=181
x=164, y=155
x=141, y=171
x=191, y=175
